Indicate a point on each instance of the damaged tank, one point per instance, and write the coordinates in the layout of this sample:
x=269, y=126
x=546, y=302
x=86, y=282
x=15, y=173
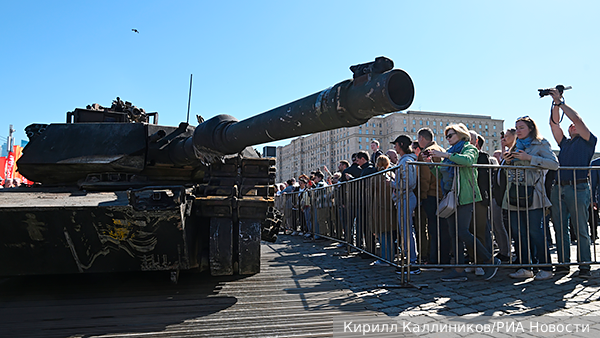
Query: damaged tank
x=119, y=192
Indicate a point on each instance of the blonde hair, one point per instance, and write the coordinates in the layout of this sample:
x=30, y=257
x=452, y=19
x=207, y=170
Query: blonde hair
x=383, y=162
x=461, y=131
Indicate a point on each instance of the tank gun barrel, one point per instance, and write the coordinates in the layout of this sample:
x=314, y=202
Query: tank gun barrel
x=376, y=88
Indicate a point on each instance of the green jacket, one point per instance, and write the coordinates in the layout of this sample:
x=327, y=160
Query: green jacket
x=467, y=175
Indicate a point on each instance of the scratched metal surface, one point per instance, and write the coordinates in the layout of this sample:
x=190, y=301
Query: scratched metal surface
x=289, y=297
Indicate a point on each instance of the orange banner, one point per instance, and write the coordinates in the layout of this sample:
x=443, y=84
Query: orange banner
x=9, y=165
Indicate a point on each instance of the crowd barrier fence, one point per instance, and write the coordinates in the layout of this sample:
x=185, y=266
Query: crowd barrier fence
x=389, y=217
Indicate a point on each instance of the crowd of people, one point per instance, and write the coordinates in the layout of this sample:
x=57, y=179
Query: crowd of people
x=504, y=210
x=10, y=183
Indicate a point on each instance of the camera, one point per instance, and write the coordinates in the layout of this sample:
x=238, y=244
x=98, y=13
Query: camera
x=426, y=153
x=560, y=88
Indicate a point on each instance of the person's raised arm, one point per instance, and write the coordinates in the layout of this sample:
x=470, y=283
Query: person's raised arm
x=582, y=129
x=555, y=117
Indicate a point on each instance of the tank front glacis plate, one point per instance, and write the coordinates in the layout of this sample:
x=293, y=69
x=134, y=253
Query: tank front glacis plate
x=100, y=233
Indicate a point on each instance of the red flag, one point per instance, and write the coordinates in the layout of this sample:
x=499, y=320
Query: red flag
x=2, y=169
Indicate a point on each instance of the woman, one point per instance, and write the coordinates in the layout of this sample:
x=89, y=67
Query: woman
x=500, y=222
x=525, y=218
x=464, y=154
x=508, y=139
x=305, y=204
x=404, y=196
x=385, y=217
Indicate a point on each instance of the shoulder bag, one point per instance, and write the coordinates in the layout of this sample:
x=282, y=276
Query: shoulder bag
x=520, y=195
x=447, y=205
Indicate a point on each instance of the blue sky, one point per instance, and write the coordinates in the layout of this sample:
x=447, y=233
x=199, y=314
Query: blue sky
x=474, y=57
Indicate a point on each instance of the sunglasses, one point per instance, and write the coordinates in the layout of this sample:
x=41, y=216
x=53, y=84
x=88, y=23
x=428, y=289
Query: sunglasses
x=449, y=136
x=526, y=117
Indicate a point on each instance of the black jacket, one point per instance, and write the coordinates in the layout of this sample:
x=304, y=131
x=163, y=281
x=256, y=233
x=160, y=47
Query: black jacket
x=354, y=170
x=375, y=155
x=483, y=178
x=368, y=169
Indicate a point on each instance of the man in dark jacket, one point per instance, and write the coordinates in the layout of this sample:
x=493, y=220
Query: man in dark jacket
x=480, y=221
x=376, y=151
x=368, y=168
x=365, y=203
x=351, y=172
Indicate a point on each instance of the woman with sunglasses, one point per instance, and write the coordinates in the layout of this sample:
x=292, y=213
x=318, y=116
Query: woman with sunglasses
x=526, y=213
x=464, y=154
x=500, y=221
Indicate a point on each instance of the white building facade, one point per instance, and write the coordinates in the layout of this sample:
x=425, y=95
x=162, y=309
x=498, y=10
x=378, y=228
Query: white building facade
x=309, y=153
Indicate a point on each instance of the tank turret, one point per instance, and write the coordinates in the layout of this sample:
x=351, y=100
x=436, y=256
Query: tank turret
x=119, y=192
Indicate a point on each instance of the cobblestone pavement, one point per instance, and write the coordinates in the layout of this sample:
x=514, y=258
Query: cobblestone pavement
x=563, y=295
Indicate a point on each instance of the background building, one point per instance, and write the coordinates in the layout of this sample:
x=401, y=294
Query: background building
x=308, y=153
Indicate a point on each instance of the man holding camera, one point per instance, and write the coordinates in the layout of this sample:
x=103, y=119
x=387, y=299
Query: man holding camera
x=571, y=190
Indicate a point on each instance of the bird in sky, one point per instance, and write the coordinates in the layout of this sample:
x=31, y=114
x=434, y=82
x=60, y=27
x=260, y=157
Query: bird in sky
x=135, y=30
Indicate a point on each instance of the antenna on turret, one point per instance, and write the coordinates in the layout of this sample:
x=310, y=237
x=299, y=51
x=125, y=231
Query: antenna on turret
x=189, y=101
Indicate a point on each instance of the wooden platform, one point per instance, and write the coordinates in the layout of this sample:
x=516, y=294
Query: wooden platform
x=289, y=297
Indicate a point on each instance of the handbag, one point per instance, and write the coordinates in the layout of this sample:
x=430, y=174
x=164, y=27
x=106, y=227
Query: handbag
x=447, y=205
x=521, y=195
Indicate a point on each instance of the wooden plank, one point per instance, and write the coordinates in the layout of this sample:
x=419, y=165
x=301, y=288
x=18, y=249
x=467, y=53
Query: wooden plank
x=290, y=297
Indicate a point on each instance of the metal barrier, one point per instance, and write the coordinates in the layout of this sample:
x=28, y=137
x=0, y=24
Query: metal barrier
x=384, y=216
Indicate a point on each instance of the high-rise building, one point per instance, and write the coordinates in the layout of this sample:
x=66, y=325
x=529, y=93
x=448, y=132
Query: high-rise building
x=308, y=153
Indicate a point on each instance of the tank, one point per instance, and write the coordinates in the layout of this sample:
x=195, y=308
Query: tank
x=118, y=192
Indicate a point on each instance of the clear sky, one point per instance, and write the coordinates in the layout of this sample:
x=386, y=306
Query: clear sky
x=474, y=57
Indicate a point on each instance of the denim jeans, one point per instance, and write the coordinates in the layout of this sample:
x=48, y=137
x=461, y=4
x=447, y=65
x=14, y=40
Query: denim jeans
x=386, y=241
x=308, y=219
x=574, y=200
x=530, y=232
x=464, y=213
x=405, y=225
x=500, y=233
x=430, y=204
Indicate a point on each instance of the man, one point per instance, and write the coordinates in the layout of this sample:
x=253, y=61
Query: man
x=392, y=155
x=291, y=185
x=343, y=165
x=290, y=215
x=347, y=210
x=376, y=151
x=351, y=172
x=322, y=199
x=571, y=191
x=438, y=232
x=319, y=179
x=480, y=224
x=365, y=202
x=368, y=167
x=420, y=218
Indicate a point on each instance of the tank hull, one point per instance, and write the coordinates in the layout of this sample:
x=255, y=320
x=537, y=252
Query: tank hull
x=75, y=232
x=216, y=226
